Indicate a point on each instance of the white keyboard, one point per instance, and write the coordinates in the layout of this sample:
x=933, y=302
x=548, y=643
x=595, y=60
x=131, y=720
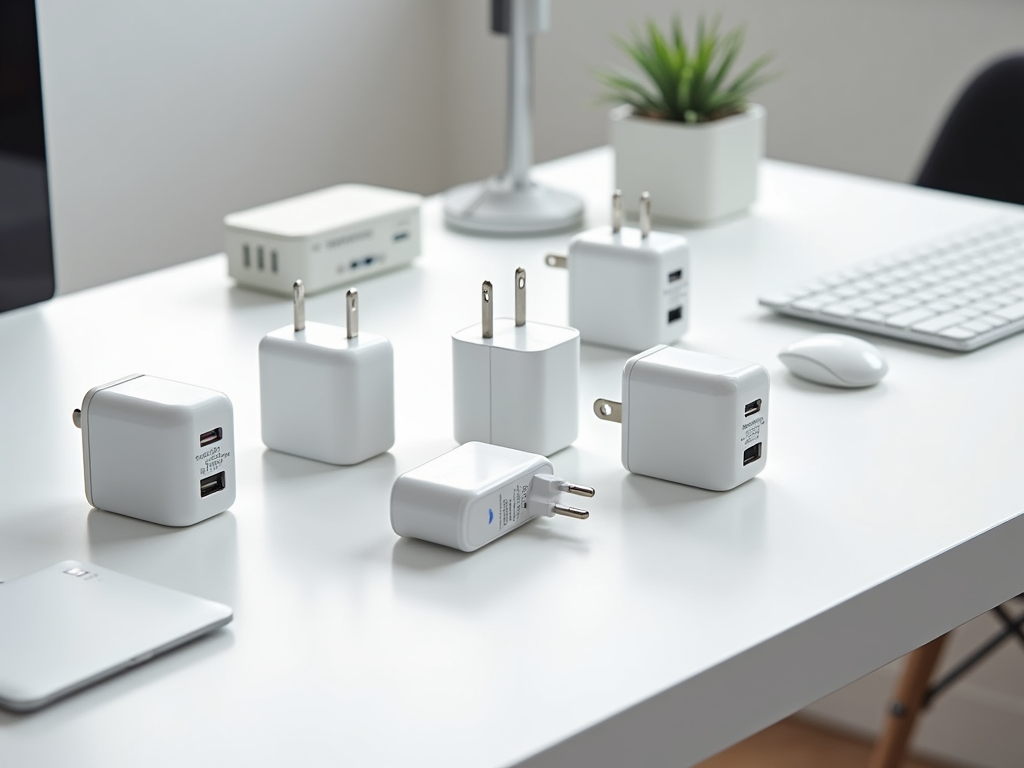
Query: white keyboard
x=959, y=292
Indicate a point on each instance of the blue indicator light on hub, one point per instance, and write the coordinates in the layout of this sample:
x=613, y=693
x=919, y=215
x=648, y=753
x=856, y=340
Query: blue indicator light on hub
x=490, y=516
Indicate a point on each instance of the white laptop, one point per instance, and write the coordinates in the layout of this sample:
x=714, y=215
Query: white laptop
x=73, y=624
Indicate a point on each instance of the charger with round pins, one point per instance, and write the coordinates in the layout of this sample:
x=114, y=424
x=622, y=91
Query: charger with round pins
x=628, y=287
x=478, y=492
x=327, y=393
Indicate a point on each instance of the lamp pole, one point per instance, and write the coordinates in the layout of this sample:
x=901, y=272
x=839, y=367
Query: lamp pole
x=512, y=204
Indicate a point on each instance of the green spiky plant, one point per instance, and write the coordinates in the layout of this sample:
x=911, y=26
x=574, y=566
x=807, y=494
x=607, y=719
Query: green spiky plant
x=686, y=83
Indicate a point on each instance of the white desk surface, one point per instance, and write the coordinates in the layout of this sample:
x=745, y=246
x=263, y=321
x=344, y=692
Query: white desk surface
x=671, y=624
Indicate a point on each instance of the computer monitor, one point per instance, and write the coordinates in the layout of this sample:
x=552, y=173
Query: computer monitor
x=26, y=242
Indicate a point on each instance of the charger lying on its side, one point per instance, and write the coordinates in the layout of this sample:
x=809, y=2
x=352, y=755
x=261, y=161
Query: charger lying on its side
x=692, y=418
x=158, y=450
x=470, y=496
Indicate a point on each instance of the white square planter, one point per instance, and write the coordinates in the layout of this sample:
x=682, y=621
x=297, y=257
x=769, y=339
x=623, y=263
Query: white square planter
x=696, y=173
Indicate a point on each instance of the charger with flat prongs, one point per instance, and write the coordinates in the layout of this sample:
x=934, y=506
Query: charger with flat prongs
x=470, y=496
x=327, y=393
x=628, y=287
x=516, y=383
x=692, y=418
x=158, y=450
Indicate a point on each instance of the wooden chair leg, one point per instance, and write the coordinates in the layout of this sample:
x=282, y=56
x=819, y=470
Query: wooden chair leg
x=910, y=693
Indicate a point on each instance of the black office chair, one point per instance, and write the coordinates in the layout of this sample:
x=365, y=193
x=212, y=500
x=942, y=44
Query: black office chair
x=980, y=149
x=979, y=152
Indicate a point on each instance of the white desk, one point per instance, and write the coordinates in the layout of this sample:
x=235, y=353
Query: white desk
x=671, y=624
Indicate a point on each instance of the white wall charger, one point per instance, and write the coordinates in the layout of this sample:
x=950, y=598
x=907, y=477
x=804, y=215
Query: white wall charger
x=325, y=238
x=516, y=383
x=327, y=393
x=628, y=287
x=692, y=418
x=158, y=450
x=470, y=496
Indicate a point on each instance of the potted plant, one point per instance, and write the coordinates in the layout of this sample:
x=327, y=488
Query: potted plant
x=685, y=130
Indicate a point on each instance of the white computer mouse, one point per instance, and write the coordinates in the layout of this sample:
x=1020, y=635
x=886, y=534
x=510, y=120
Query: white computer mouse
x=835, y=359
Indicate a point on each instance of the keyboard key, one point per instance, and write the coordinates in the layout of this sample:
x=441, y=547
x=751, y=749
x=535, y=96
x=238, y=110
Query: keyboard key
x=812, y=303
x=842, y=309
x=845, y=291
x=892, y=307
x=994, y=320
x=810, y=288
x=939, y=322
x=859, y=303
x=908, y=318
x=870, y=316
x=958, y=332
x=986, y=305
x=978, y=324
x=941, y=305
x=1011, y=312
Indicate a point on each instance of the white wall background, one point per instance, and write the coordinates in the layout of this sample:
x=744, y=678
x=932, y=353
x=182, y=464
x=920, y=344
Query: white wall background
x=163, y=117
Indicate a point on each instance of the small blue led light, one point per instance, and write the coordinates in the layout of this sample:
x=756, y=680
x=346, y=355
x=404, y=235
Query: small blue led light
x=490, y=516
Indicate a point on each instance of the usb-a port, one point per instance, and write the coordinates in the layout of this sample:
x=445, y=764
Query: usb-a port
x=752, y=454
x=211, y=484
x=675, y=314
x=211, y=437
x=674, y=276
x=752, y=407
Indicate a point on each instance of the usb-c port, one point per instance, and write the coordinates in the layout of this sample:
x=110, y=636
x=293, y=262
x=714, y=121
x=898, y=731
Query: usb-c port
x=399, y=236
x=677, y=275
x=751, y=408
x=212, y=484
x=210, y=437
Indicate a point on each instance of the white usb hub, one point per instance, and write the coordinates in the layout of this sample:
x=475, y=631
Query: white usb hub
x=325, y=238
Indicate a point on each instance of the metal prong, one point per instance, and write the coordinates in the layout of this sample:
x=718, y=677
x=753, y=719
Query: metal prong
x=520, y=297
x=76, y=416
x=487, y=307
x=554, y=260
x=645, y=214
x=561, y=509
x=577, y=490
x=616, y=211
x=299, y=302
x=608, y=410
x=352, y=313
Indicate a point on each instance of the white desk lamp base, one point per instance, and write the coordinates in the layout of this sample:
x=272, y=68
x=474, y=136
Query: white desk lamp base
x=498, y=207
